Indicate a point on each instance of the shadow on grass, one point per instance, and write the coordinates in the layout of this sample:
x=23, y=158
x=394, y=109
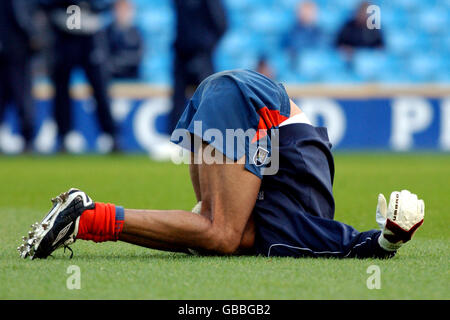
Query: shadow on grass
x=154, y=255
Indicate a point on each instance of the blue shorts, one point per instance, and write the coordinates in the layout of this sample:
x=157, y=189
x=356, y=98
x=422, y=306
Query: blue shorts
x=236, y=100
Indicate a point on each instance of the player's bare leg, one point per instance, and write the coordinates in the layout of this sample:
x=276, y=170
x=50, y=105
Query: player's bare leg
x=248, y=237
x=228, y=193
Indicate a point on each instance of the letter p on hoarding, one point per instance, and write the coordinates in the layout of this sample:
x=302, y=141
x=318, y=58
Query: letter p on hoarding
x=409, y=116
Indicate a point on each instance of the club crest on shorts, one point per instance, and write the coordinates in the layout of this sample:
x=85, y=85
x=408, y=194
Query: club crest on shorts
x=260, y=156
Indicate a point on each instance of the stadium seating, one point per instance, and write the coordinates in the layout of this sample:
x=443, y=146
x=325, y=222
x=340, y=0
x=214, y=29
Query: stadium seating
x=416, y=34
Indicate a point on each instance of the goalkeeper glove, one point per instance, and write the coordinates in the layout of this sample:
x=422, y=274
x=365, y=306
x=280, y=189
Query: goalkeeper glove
x=400, y=219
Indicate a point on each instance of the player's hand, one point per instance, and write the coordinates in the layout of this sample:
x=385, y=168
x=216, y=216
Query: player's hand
x=400, y=219
x=197, y=208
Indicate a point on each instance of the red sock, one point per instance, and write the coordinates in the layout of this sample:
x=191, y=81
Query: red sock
x=104, y=223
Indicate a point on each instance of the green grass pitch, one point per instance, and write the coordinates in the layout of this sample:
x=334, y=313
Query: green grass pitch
x=123, y=271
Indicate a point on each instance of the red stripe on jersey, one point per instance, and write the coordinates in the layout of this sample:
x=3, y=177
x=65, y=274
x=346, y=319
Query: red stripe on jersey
x=268, y=119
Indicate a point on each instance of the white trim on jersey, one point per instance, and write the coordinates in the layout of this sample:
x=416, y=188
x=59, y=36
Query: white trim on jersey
x=298, y=118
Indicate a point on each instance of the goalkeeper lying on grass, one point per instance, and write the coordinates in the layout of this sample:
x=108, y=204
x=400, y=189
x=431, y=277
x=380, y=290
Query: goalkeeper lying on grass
x=269, y=193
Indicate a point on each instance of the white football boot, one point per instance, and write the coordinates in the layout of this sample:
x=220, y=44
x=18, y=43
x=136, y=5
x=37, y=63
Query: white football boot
x=58, y=228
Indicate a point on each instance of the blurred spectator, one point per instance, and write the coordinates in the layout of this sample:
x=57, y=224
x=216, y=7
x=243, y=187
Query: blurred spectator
x=306, y=33
x=125, y=42
x=86, y=47
x=264, y=68
x=18, y=41
x=355, y=33
x=40, y=62
x=200, y=25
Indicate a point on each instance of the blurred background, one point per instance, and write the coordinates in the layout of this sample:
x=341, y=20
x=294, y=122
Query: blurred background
x=107, y=76
x=306, y=41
